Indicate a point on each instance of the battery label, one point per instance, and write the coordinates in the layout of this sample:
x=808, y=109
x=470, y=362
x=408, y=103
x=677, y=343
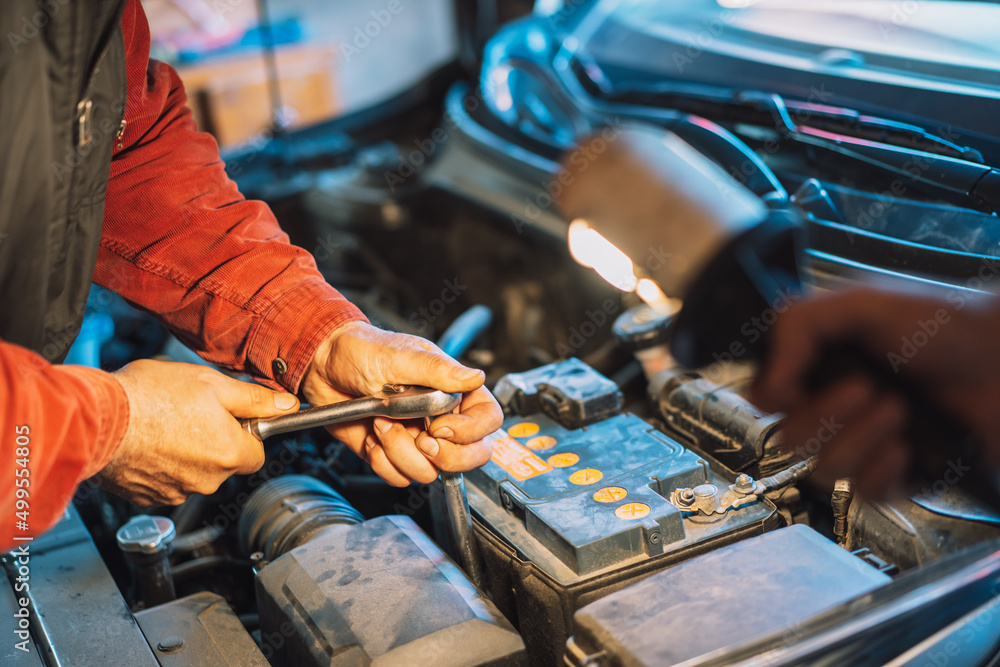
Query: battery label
x=519, y=462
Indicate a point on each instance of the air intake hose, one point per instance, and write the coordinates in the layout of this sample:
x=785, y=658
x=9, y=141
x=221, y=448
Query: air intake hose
x=288, y=511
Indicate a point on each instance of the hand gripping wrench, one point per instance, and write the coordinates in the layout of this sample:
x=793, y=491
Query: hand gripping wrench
x=395, y=401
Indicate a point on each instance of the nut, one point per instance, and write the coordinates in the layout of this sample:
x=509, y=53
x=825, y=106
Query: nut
x=744, y=484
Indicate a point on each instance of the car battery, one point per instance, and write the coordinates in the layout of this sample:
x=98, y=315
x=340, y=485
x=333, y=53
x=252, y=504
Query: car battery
x=573, y=504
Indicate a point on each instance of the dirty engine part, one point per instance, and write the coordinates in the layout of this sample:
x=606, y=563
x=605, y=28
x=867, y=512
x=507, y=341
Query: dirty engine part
x=347, y=592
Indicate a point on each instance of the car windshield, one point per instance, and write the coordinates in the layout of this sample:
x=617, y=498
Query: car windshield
x=950, y=41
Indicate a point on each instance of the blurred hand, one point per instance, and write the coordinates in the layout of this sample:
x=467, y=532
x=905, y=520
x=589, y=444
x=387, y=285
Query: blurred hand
x=183, y=435
x=358, y=359
x=950, y=346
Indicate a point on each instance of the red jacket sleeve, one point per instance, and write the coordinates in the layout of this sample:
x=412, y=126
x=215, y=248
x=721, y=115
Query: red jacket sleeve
x=58, y=426
x=181, y=242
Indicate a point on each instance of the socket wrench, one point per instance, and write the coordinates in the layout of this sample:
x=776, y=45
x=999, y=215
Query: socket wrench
x=395, y=401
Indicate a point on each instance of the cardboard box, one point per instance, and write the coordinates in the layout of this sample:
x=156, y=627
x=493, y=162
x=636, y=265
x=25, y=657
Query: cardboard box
x=230, y=96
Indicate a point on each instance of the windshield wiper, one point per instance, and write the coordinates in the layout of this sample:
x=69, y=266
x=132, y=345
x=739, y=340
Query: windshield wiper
x=729, y=104
x=965, y=177
x=903, y=149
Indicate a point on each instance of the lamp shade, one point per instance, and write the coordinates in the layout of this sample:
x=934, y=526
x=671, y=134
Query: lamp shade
x=693, y=229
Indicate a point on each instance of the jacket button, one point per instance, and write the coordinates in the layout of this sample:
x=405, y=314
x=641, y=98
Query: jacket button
x=279, y=366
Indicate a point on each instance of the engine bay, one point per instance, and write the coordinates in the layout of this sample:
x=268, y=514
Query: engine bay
x=634, y=512
x=604, y=485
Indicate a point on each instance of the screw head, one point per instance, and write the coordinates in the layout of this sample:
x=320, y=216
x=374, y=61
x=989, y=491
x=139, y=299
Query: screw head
x=654, y=538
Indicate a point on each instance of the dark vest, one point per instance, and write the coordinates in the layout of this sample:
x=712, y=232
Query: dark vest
x=62, y=99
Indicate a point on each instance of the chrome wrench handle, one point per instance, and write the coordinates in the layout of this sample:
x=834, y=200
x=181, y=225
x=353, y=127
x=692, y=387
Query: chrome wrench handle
x=394, y=401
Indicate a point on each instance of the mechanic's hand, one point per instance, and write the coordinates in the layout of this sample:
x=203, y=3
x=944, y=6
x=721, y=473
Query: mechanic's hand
x=183, y=435
x=950, y=346
x=357, y=359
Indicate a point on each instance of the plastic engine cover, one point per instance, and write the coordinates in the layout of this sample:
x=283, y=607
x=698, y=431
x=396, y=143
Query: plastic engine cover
x=198, y=630
x=736, y=594
x=378, y=593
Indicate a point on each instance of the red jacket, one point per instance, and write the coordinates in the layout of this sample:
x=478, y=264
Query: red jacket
x=181, y=242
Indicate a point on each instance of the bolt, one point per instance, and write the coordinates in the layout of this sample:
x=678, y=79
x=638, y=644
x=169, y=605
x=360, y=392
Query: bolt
x=686, y=496
x=258, y=561
x=654, y=538
x=505, y=500
x=744, y=484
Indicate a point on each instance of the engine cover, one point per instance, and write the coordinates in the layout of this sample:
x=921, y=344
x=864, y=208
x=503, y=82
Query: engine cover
x=378, y=593
x=762, y=585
